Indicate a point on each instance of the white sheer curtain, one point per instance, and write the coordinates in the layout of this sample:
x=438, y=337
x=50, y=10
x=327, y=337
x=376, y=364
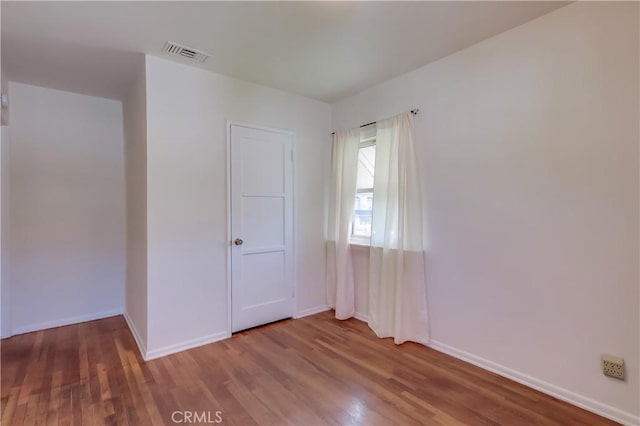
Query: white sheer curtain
x=344, y=167
x=397, y=285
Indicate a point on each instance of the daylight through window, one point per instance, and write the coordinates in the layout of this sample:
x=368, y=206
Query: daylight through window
x=361, y=228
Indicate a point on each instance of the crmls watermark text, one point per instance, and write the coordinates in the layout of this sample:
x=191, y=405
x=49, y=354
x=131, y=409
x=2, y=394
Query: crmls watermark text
x=213, y=417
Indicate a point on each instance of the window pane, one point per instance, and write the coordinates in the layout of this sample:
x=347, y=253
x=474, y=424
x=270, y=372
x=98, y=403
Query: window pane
x=362, y=214
x=364, y=196
x=366, y=163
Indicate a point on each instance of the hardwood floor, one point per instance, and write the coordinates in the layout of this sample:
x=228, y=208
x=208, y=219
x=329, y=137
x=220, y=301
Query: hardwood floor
x=311, y=371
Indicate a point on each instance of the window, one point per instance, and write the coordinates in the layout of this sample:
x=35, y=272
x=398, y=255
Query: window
x=363, y=209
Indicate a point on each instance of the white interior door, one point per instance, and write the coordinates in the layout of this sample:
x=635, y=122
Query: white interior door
x=262, y=288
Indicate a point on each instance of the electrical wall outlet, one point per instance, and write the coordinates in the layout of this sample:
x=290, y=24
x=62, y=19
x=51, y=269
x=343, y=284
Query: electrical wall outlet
x=613, y=366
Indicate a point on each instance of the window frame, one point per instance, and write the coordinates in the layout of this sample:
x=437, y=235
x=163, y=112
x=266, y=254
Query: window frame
x=362, y=240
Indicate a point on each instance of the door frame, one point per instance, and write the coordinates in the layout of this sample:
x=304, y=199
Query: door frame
x=6, y=329
x=293, y=215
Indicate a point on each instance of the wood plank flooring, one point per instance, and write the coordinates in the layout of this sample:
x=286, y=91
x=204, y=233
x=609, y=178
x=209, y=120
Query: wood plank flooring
x=312, y=371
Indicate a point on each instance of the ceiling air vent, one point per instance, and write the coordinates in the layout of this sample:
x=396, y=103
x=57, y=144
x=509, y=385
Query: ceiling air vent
x=186, y=52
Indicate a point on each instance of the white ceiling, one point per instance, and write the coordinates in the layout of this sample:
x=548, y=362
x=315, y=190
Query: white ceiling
x=323, y=50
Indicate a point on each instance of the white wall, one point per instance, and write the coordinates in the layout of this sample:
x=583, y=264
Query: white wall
x=529, y=146
x=5, y=288
x=187, y=113
x=67, y=207
x=4, y=89
x=135, y=137
x=5, y=317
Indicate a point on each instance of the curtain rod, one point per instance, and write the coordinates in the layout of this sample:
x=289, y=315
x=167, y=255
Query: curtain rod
x=413, y=111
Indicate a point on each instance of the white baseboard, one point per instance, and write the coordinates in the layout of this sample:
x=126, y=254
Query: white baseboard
x=64, y=321
x=581, y=401
x=311, y=311
x=360, y=316
x=200, y=341
x=183, y=346
x=573, y=398
x=136, y=335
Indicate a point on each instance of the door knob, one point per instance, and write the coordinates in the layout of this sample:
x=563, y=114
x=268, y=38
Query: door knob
x=238, y=242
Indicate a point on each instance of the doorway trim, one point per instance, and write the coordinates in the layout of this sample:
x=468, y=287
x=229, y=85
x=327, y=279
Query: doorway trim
x=294, y=217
